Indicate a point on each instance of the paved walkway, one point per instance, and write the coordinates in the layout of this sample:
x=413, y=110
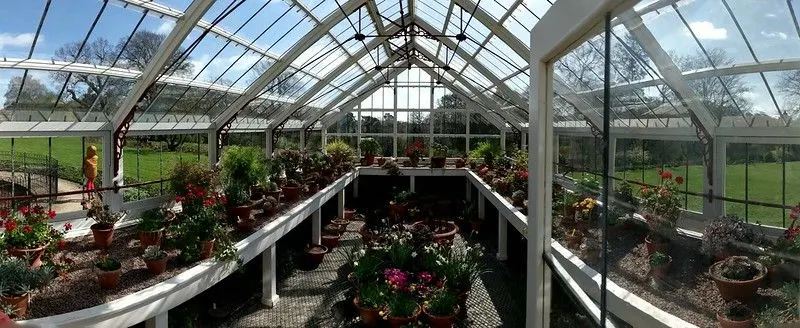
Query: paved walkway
x=63, y=204
x=320, y=298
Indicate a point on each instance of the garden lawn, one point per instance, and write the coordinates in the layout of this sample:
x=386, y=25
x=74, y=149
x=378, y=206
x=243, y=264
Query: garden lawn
x=765, y=185
x=147, y=166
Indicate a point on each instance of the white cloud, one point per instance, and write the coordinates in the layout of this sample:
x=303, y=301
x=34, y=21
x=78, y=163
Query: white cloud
x=706, y=30
x=165, y=27
x=771, y=15
x=774, y=35
x=17, y=40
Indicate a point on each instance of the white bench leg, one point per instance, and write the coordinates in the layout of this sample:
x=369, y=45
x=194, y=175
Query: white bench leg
x=269, y=289
x=502, y=238
x=316, y=227
x=159, y=321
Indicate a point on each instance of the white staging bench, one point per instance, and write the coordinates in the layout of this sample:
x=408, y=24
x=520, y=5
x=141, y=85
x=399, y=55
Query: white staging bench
x=152, y=304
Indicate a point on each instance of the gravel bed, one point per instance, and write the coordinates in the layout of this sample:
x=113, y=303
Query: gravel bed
x=687, y=292
x=77, y=288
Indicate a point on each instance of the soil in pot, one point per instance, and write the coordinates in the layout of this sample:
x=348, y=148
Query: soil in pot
x=438, y=162
x=18, y=303
x=349, y=214
x=341, y=224
x=660, y=271
x=397, y=322
x=655, y=244
x=103, y=235
x=443, y=321
x=369, y=317
x=442, y=230
x=741, y=290
x=746, y=321
x=291, y=193
x=248, y=224
x=315, y=255
x=157, y=267
x=150, y=238
x=206, y=249
x=33, y=255
x=331, y=241
x=109, y=279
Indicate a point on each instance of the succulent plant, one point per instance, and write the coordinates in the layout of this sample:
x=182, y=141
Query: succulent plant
x=719, y=234
x=154, y=252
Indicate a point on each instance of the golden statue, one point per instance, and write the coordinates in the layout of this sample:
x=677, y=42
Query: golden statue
x=90, y=169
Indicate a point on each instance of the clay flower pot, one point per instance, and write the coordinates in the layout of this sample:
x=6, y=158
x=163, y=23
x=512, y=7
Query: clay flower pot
x=734, y=289
x=660, y=271
x=206, y=249
x=103, y=235
x=398, y=209
x=341, y=224
x=366, y=237
x=315, y=254
x=443, y=321
x=236, y=212
x=157, y=267
x=368, y=160
x=32, y=255
x=274, y=194
x=109, y=279
x=18, y=303
x=438, y=162
x=460, y=163
x=397, y=322
x=349, y=214
x=725, y=322
x=291, y=193
x=247, y=224
x=331, y=241
x=653, y=246
x=369, y=317
x=443, y=230
x=381, y=161
x=151, y=238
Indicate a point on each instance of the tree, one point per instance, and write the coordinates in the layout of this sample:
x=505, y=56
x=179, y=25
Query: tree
x=626, y=56
x=580, y=67
x=143, y=46
x=34, y=92
x=286, y=83
x=451, y=101
x=790, y=87
x=711, y=91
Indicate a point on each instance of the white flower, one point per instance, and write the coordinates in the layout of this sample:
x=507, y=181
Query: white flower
x=414, y=254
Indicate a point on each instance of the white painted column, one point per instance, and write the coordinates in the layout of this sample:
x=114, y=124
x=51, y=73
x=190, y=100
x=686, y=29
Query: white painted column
x=503, y=141
x=302, y=139
x=340, y=204
x=113, y=199
x=269, y=289
x=394, y=128
x=413, y=184
x=212, y=148
x=524, y=139
x=268, y=146
x=502, y=238
x=316, y=227
x=159, y=321
x=556, y=158
x=324, y=138
x=469, y=189
x=481, y=206
x=715, y=208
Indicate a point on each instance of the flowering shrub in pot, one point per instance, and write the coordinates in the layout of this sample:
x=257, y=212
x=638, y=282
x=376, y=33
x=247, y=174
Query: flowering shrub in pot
x=660, y=206
x=415, y=151
x=17, y=281
x=156, y=259
x=585, y=213
x=109, y=272
x=238, y=205
x=401, y=309
x=370, y=147
x=151, y=227
x=104, y=218
x=28, y=235
x=737, y=277
x=735, y=315
x=200, y=233
x=441, y=308
x=370, y=302
x=719, y=235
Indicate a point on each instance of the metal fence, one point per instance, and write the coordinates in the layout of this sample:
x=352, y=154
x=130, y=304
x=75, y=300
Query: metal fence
x=27, y=174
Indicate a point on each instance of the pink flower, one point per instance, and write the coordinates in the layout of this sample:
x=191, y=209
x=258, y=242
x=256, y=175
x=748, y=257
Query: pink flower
x=425, y=277
x=67, y=226
x=10, y=225
x=51, y=214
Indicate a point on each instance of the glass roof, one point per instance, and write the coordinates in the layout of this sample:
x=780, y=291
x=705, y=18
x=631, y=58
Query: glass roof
x=80, y=60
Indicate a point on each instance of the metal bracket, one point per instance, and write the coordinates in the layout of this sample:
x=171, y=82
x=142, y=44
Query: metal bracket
x=122, y=131
x=222, y=132
x=276, y=134
x=307, y=133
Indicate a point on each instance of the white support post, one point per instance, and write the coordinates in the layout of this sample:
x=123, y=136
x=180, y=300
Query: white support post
x=481, y=207
x=113, y=199
x=324, y=138
x=268, y=146
x=316, y=227
x=502, y=238
x=716, y=207
x=302, y=139
x=412, y=184
x=394, y=128
x=269, y=288
x=524, y=140
x=355, y=187
x=340, y=204
x=556, y=158
x=212, y=148
x=503, y=140
x=159, y=321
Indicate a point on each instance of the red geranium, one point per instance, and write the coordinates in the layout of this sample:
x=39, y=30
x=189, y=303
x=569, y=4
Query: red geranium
x=27, y=229
x=51, y=214
x=10, y=225
x=24, y=210
x=67, y=226
x=679, y=180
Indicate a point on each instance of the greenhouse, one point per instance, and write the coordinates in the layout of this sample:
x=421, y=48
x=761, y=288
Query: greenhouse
x=399, y=163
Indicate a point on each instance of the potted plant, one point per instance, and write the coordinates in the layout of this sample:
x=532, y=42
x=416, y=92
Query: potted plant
x=201, y=233
x=330, y=239
x=291, y=160
x=415, y=151
x=103, y=228
x=392, y=168
x=585, y=213
x=735, y=315
x=590, y=250
x=518, y=198
x=659, y=264
x=737, y=277
x=486, y=151
x=271, y=190
x=291, y=190
x=28, y=234
x=719, y=235
x=17, y=280
x=370, y=147
x=156, y=259
x=461, y=267
x=574, y=239
x=315, y=253
x=151, y=227
x=461, y=162
x=399, y=203
x=243, y=165
x=439, y=158
x=441, y=308
x=661, y=207
x=370, y=302
x=270, y=205
x=238, y=205
x=341, y=224
x=109, y=272
x=442, y=230
x=341, y=154
x=401, y=309
x=381, y=161
x=312, y=183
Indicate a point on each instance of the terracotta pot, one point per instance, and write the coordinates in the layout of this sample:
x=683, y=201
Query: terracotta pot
x=103, y=235
x=157, y=267
x=369, y=317
x=448, y=234
x=206, y=249
x=653, y=247
x=397, y=322
x=460, y=163
x=236, y=212
x=349, y=214
x=151, y=238
x=413, y=162
x=368, y=160
x=331, y=241
x=438, y=162
x=291, y=193
x=32, y=255
x=728, y=323
x=341, y=224
x=381, y=161
x=315, y=254
x=660, y=271
x=18, y=303
x=574, y=240
x=274, y=194
x=737, y=290
x=256, y=193
x=518, y=202
x=398, y=209
x=109, y=279
x=313, y=188
x=248, y=224
x=442, y=322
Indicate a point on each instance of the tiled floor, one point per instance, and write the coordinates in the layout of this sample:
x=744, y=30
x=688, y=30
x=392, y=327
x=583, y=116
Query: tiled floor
x=320, y=298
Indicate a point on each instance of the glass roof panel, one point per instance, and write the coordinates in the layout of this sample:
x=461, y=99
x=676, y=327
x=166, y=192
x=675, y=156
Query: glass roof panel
x=771, y=34
x=80, y=13
x=18, y=28
x=496, y=8
x=521, y=22
x=433, y=12
x=321, y=8
x=180, y=5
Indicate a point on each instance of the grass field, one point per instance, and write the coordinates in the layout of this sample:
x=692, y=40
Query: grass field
x=147, y=166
